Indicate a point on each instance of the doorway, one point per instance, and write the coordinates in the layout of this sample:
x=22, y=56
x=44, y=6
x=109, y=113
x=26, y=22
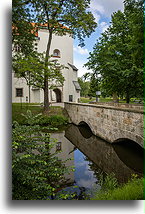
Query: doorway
x=58, y=95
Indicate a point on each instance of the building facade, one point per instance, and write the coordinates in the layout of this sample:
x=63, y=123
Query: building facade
x=61, y=50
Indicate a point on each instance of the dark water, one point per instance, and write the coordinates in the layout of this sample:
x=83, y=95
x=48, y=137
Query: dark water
x=93, y=158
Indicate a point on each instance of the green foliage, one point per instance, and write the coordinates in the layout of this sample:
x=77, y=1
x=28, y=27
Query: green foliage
x=22, y=37
x=118, y=54
x=37, y=173
x=72, y=194
x=32, y=115
x=84, y=87
x=31, y=119
x=18, y=110
x=44, y=120
x=65, y=13
x=109, y=182
x=57, y=120
x=90, y=83
x=133, y=190
x=94, y=85
x=86, y=100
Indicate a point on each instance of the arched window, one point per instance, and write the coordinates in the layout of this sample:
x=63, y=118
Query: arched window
x=56, y=53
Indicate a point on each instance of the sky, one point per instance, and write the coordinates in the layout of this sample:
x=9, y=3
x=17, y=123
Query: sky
x=102, y=10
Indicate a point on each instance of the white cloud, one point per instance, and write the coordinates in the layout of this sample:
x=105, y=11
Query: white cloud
x=106, y=7
x=81, y=70
x=80, y=164
x=96, y=16
x=103, y=26
x=82, y=51
x=87, y=183
x=94, y=6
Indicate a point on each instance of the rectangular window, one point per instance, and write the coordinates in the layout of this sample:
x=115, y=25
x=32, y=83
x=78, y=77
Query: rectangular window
x=19, y=92
x=70, y=98
x=58, y=146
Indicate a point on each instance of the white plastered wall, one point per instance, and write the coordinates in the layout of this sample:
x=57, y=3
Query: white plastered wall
x=65, y=45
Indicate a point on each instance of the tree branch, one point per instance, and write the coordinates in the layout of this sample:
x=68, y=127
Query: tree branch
x=60, y=5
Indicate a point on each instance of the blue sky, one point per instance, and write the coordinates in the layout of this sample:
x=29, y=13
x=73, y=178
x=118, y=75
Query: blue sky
x=102, y=10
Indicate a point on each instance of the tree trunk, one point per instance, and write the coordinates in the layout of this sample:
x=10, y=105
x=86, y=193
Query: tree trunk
x=115, y=98
x=127, y=98
x=46, y=86
x=46, y=97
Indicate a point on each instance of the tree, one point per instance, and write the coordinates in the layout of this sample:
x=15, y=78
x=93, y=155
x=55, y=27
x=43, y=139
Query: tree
x=94, y=85
x=116, y=54
x=134, y=12
x=61, y=17
x=23, y=32
x=84, y=86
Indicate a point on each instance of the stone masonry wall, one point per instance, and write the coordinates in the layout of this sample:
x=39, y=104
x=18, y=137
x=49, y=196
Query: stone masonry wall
x=109, y=122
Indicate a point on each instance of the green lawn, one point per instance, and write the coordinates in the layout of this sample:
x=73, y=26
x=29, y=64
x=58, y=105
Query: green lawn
x=87, y=100
x=133, y=190
x=18, y=109
x=108, y=99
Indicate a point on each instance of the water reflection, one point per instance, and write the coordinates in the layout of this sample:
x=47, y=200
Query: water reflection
x=104, y=155
x=84, y=176
x=130, y=153
x=65, y=151
x=93, y=157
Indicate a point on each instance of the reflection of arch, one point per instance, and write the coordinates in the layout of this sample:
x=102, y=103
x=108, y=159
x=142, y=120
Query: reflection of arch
x=129, y=152
x=56, y=53
x=58, y=95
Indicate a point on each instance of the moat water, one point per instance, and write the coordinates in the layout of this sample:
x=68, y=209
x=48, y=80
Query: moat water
x=94, y=158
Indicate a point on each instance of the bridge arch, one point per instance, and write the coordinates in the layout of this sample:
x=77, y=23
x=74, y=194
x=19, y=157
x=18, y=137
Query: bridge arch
x=83, y=123
x=85, y=129
x=112, y=138
x=127, y=142
x=120, y=136
x=83, y=120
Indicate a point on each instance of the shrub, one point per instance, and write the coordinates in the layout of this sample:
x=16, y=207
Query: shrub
x=36, y=172
x=57, y=120
x=44, y=120
x=31, y=119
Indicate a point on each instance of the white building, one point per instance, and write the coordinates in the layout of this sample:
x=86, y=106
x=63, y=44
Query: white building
x=62, y=50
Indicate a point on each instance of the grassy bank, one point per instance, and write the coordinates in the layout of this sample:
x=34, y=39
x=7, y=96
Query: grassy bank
x=108, y=99
x=133, y=190
x=55, y=118
x=101, y=99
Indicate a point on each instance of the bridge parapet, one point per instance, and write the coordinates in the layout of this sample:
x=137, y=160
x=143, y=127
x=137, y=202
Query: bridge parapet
x=121, y=105
x=109, y=122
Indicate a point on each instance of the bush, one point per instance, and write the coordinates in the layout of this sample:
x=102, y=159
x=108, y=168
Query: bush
x=36, y=172
x=44, y=120
x=57, y=120
x=53, y=121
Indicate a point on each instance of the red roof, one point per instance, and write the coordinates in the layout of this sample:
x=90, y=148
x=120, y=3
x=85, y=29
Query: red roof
x=40, y=26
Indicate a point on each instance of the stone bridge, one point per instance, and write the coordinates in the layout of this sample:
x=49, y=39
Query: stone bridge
x=111, y=122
